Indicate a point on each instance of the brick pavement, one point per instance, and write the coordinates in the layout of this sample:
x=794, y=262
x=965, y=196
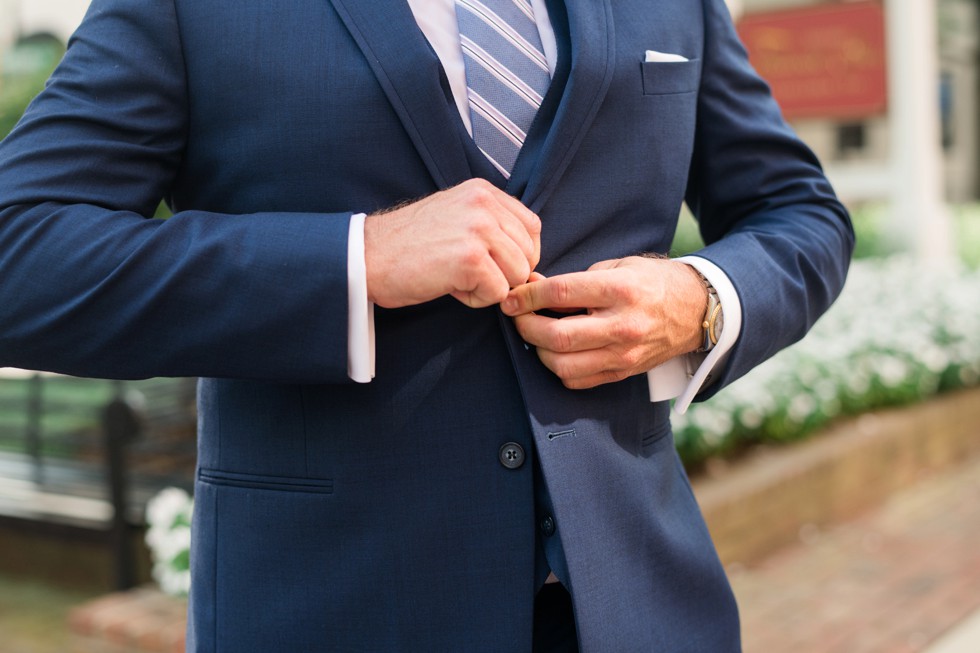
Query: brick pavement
x=891, y=581
x=141, y=620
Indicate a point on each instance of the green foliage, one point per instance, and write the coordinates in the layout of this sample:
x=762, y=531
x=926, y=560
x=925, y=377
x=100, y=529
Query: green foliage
x=687, y=238
x=966, y=220
x=871, y=227
x=869, y=222
x=25, y=69
x=15, y=94
x=70, y=405
x=163, y=211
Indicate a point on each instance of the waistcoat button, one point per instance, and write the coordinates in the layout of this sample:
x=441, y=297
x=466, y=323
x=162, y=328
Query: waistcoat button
x=511, y=455
x=547, y=526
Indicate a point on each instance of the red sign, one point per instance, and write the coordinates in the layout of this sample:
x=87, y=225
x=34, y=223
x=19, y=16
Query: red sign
x=826, y=61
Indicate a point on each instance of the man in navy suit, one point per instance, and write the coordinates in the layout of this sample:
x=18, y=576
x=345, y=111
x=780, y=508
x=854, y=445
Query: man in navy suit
x=525, y=332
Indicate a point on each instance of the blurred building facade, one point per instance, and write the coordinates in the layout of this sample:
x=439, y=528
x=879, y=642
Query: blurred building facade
x=847, y=114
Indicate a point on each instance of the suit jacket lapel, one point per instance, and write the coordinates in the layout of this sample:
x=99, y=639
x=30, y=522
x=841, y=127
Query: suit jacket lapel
x=591, y=37
x=412, y=78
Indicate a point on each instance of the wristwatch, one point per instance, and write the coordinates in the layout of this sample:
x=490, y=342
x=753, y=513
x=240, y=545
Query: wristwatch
x=714, y=319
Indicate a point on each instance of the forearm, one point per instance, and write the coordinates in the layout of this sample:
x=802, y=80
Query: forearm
x=95, y=292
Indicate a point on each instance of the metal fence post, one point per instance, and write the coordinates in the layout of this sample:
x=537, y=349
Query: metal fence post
x=32, y=432
x=120, y=425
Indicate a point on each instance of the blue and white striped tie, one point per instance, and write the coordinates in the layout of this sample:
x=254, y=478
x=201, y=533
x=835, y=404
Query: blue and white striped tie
x=506, y=74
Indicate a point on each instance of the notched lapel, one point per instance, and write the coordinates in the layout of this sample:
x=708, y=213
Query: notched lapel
x=411, y=76
x=592, y=46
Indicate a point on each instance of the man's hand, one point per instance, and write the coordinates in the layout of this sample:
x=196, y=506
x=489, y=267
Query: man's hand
x=472, y=241
x=639, y=312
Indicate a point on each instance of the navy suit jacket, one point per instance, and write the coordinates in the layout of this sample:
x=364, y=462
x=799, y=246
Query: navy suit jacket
x=333, y=516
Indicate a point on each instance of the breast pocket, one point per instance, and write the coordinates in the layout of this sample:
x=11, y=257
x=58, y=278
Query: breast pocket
x=670, y=77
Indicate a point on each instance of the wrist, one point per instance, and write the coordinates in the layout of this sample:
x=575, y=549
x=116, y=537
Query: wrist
x=375, y=260
x=701, y=291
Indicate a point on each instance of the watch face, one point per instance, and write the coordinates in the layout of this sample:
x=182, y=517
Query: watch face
x=717, y=324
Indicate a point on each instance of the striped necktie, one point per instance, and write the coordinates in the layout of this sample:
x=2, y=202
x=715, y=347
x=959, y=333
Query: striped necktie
x=506, y=74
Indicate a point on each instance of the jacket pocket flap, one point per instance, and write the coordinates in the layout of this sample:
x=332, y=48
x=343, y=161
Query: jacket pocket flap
x=264, y=482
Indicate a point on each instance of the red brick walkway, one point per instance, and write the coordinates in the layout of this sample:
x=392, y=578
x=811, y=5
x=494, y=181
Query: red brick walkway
x=892, y=581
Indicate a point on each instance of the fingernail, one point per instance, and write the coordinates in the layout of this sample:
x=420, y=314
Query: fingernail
x=509, y=305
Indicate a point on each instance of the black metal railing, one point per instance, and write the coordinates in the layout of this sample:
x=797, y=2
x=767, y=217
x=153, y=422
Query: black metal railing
x=84, y=455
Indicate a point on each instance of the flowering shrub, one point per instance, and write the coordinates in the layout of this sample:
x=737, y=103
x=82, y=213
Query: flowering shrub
x=902, y=330
x=169, y=539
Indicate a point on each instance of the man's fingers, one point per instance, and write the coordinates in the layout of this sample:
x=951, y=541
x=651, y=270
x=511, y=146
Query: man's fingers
x=636, y=318
x=585, y=369
x=572, y=333
x=511, y=263
x=588, y=350
x=575, y=290
x=530, y=222
x=529, y=246
x=483, y=284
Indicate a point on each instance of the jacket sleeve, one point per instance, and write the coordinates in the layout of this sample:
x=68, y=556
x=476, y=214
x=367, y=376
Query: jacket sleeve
x=89, y=285
x=769, y=217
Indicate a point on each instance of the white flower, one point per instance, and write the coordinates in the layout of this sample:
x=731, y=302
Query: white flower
x=801, y=407
x=892, y=370
x=169, y=515
x=751, y=419
x=166, y=506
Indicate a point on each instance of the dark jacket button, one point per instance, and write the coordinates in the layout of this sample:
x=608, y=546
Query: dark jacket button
x=547, y=526
x=511, y=455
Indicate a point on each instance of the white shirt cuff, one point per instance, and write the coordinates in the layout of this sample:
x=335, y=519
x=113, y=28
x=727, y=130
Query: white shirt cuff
x=684, y=376
x=360, y=312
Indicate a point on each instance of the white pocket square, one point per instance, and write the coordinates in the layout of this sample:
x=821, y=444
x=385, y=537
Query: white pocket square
x=663, y=57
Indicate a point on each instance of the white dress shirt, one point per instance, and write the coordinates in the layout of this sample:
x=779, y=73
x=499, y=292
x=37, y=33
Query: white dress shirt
x=680, y=377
